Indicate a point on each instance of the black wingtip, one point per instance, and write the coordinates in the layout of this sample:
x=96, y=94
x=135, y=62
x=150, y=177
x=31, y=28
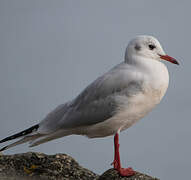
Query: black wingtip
x=4, y=148
x=20, y=134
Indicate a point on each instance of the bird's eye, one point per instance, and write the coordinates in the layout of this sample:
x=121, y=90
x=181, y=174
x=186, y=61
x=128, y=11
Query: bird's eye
x=151, y=47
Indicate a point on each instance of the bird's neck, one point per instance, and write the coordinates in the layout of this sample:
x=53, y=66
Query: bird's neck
x=155, y=73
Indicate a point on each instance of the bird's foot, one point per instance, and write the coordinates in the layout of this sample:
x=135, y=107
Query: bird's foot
x=126, y=172
x=123, y=171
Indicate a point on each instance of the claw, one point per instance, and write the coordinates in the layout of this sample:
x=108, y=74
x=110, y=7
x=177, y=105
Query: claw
x=127, y=172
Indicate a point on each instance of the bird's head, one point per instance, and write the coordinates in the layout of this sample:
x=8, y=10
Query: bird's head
x=147, y=47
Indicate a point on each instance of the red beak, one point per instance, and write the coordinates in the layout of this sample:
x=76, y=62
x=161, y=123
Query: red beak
x=168, y=58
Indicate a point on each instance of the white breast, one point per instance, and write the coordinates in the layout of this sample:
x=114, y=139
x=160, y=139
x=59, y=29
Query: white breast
x=155, y=84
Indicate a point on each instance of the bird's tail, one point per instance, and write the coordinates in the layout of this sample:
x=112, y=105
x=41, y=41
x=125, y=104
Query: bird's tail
x=28, y=135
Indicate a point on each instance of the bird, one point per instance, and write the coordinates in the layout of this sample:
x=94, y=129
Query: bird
x=110, y=104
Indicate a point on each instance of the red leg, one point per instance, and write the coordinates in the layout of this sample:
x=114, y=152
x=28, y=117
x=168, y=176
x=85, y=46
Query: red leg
x=117, y=162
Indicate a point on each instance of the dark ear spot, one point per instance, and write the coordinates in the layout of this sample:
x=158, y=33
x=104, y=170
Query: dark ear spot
x=137, y=47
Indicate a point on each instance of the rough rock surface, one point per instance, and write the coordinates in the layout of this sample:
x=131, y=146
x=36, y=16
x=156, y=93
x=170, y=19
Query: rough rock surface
x=112, y=174
x=38, y=166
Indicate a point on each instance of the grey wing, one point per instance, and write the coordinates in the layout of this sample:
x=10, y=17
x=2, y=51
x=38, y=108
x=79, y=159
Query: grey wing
x=99, y=101
x=96, y=103
x=91, y=113
x=88, y=108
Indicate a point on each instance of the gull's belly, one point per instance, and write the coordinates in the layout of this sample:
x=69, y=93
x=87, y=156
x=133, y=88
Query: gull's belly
x=139, y=106
x=136, y=109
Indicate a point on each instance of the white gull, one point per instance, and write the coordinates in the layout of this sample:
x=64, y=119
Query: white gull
x=112, y=103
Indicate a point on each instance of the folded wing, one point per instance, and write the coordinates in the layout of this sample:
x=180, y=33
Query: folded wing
x=96, y=103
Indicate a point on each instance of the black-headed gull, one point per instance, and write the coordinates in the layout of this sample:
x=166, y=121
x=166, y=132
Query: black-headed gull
x=112, y=103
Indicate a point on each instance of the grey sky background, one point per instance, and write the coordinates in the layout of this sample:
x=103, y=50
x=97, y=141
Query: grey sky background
x=51, y=50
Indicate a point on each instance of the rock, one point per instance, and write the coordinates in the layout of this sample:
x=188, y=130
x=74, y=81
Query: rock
x=39, y=166
x=112, y=174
